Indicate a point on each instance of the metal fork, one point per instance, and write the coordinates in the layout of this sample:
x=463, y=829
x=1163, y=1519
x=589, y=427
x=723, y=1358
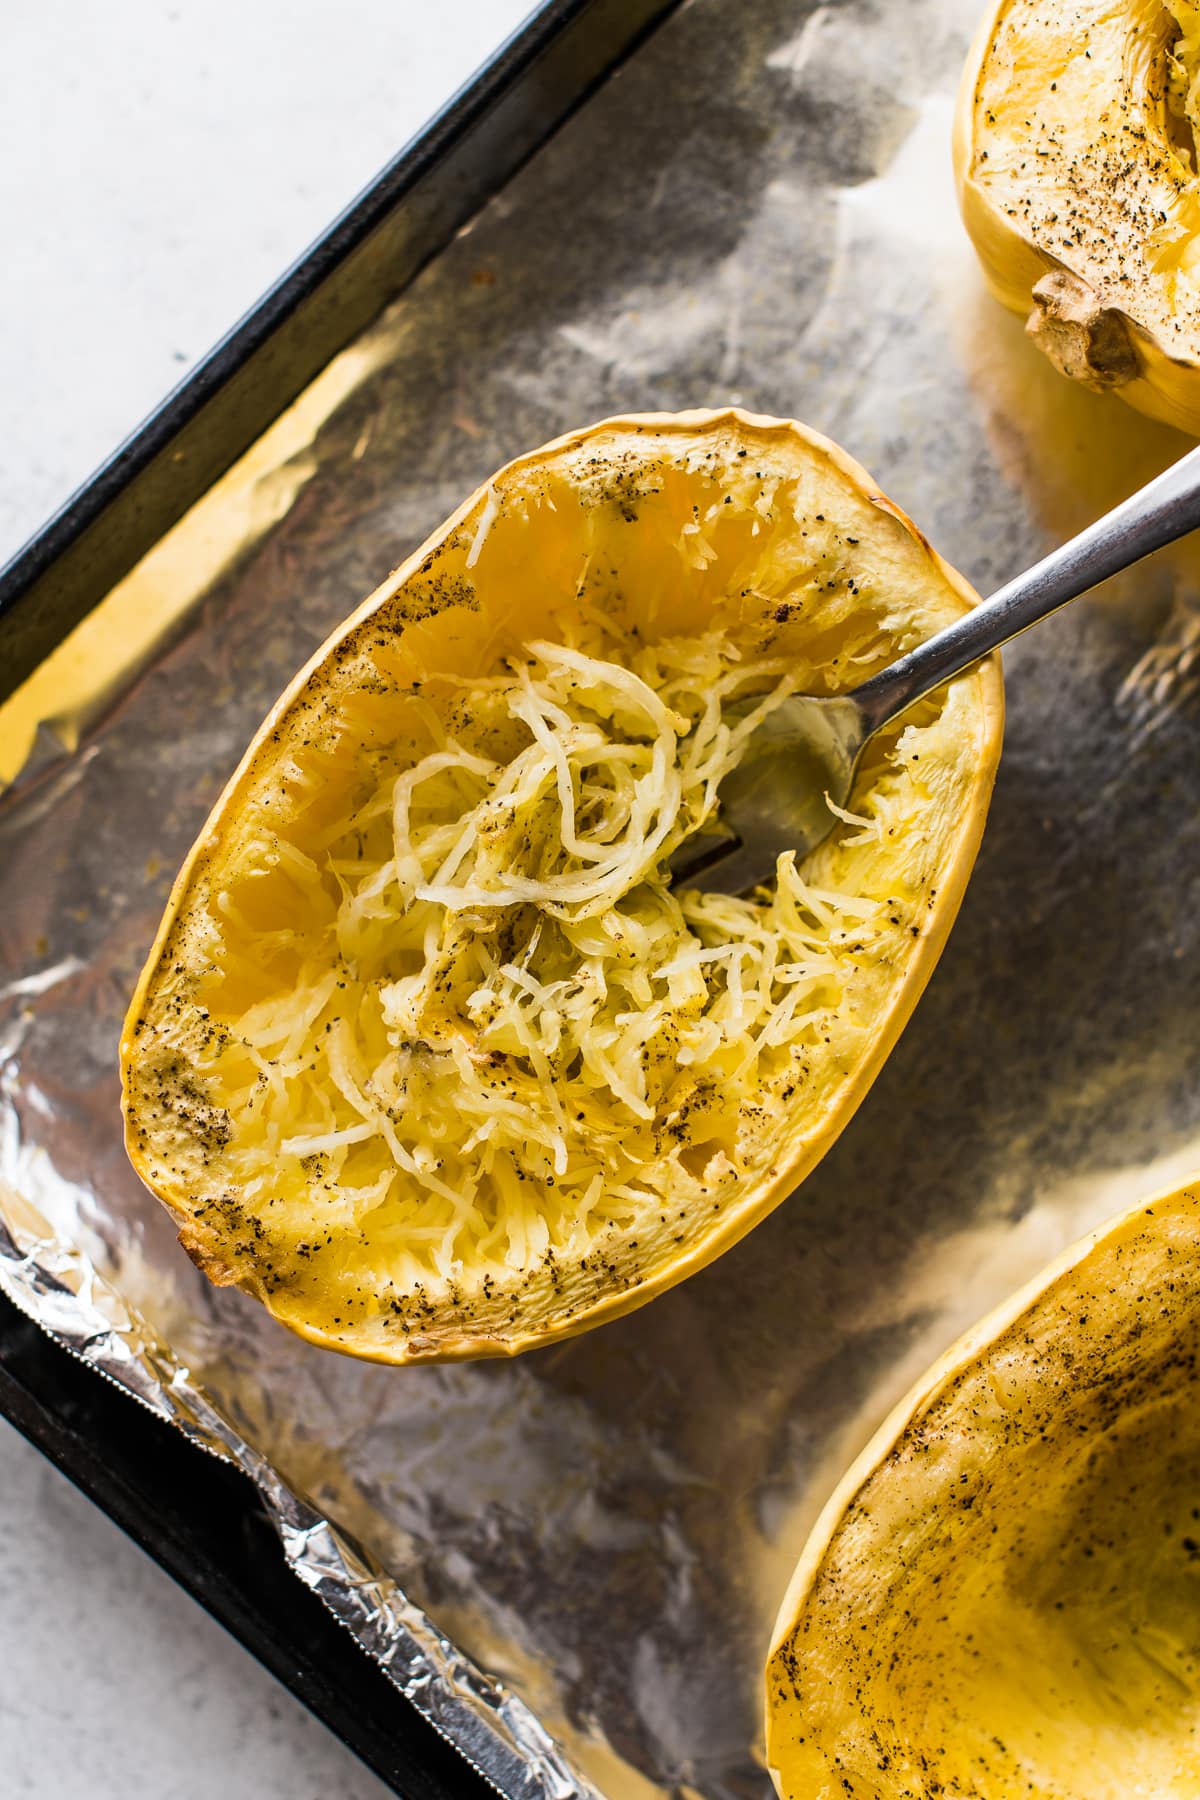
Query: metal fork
x=804, y=754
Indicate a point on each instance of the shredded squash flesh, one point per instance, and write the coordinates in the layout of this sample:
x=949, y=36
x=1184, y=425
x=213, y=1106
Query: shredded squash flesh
x=435, y=1043
x=561, y=1011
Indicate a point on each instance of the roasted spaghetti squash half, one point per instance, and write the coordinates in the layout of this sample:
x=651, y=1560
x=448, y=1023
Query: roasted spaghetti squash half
x=429, y=1055
x=1079, y=182
x=1003, y=1596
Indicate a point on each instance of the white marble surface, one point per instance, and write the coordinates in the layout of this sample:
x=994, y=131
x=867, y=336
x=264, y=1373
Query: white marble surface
x=159, y=164
x=161, y=161
x=117, y=1684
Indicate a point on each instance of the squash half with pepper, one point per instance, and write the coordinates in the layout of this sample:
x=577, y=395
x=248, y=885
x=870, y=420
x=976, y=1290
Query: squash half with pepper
x=429, y=1055
x=1003, y=1595
x=1076, y=160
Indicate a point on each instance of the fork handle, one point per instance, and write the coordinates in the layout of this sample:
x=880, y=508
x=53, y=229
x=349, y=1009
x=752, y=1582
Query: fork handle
x=1165, y=509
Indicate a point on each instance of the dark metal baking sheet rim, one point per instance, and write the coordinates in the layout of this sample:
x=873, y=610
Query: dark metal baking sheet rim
x=367, y=256
x=199, y=1519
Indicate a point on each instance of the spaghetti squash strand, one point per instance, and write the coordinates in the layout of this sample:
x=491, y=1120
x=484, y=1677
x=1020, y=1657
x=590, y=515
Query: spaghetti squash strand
x=524, y=1016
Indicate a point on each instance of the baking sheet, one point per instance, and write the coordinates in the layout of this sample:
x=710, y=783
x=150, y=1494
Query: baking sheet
x=757, y=209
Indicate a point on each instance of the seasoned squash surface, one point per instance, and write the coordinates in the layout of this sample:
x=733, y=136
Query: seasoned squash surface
x=1077, y=168
x=1003, y=1596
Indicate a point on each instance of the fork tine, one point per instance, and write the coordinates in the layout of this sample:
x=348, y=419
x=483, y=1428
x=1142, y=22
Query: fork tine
x=701, y=850
x=720, y=865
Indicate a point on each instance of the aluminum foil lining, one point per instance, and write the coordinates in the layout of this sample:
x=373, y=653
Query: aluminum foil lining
x=758, y=208
x=57, y=1286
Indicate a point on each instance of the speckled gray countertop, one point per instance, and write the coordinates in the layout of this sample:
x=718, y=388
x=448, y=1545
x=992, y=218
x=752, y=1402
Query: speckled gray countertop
x=159, y=166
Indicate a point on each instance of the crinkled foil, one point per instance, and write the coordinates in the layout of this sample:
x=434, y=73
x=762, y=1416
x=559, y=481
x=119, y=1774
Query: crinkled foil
x=758, y=208
x=52, y=1282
